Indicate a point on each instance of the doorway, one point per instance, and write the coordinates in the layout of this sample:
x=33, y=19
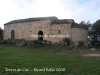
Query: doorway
x=40, y=35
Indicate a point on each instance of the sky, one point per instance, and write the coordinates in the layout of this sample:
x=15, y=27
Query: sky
x=79, y=10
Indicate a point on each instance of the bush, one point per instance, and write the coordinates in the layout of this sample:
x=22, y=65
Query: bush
x=81, y=43
x=3, y=42
x=67, y=40
x=35, y=41
x=9, y=41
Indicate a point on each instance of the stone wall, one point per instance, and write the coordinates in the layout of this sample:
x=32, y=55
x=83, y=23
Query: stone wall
x=62, y=30
x=79, y=34
x=27, y=30
x=51, y=32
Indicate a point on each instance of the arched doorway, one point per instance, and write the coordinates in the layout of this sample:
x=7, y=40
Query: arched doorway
x=40, y=35
x=12, y=34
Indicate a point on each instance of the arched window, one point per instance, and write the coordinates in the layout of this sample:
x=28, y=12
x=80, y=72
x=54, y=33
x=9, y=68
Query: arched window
x=12, y=34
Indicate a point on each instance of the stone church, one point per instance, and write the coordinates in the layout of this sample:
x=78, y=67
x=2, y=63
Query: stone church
x=45, y=28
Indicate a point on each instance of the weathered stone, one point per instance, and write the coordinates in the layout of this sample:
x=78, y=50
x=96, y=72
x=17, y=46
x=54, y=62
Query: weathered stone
x=48, y=42
x=75, y=44
x=89, y=44
x=64, y=43
x=29, y=43
x=21, y=43
x=86, y=45
x=51, y=28
x=93, y=49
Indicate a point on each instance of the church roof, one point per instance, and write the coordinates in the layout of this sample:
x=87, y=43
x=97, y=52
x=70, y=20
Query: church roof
x=75, y=25
x=31, y=19
x=54, y=20
x=71, y=21
x=62, y=21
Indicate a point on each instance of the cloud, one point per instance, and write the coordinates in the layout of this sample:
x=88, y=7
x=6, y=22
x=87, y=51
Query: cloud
x=79, y=10
x=22, y=4
x=83, y=10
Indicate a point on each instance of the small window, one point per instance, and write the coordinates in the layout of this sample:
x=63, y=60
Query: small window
x=58, y=31
x=12, y=34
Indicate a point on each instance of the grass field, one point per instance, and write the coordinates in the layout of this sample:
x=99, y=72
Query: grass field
x=27, y=59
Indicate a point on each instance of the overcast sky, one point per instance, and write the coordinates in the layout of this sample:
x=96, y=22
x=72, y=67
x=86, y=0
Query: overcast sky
x=79, y=10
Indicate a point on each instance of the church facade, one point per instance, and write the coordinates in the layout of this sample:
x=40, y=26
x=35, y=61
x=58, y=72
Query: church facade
x=45, y=28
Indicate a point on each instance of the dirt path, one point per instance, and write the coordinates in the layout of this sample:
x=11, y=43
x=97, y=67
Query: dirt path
x=94, y=54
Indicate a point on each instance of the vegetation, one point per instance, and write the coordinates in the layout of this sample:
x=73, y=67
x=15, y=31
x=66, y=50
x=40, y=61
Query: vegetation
x=93, y=31
x=81, y=43
x=64, y=60
x=67, y=40
x=96, y=29
x=85, y=23
x=41, y=56
x=1, y=33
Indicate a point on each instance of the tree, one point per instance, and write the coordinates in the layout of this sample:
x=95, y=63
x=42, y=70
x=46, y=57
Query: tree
x=88, y=24
x=1, y=33
x=93, y=31
x=96, y=28
x=82, y=23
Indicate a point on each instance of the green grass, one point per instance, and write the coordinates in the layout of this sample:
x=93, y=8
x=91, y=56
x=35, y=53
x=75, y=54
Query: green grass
x=45, y=56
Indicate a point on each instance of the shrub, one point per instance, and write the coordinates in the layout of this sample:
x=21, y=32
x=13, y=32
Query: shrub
x=67, y=40
x=81, y=43
x=3, y=42
x=35, y=41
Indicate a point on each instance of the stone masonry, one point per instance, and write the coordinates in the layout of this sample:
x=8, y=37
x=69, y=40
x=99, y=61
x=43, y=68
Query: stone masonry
x=51, y=28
